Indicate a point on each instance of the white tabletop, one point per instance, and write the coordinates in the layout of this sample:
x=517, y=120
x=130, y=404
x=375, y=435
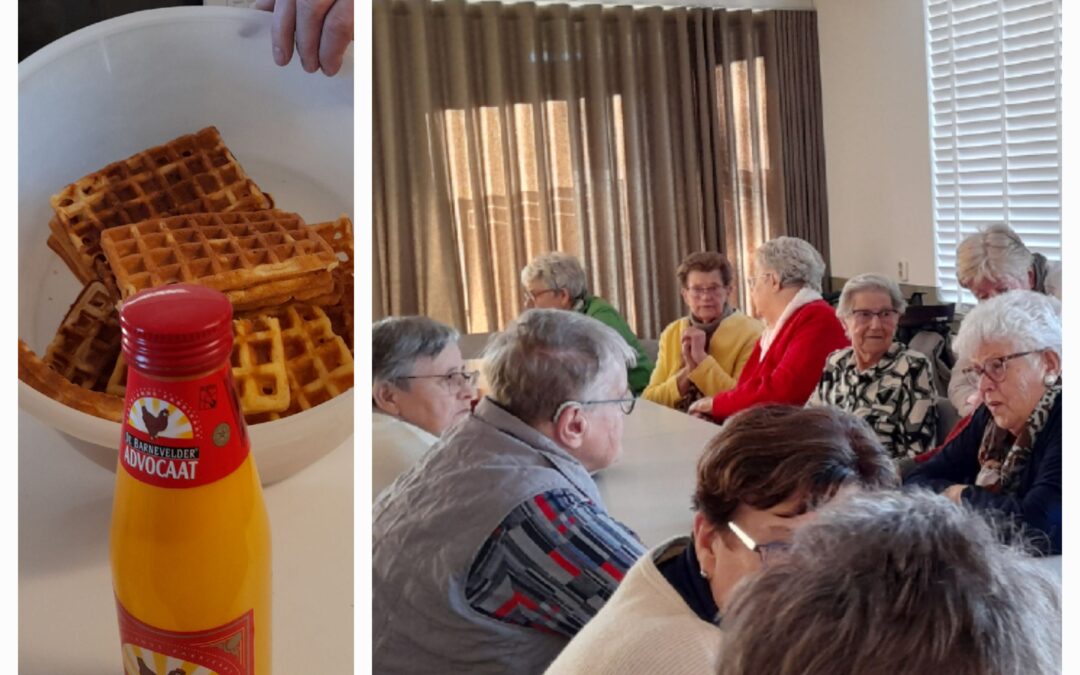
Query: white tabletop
x=67, y=618
x=650, y=489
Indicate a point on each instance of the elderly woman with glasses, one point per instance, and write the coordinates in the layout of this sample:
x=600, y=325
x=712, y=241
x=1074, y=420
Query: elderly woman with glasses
x=988, y=263
x=557, y=281
x=1007, y=460
x=703, y=353
x=876, y=378
x=495, y=549
x=758, y=481
x=905, y=584
x=420, y=387
x=801, y=330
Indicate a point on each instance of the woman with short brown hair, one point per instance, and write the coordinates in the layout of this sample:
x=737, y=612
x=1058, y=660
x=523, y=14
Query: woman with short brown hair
x=758, y=480
x=703, y=353
x=904, y=584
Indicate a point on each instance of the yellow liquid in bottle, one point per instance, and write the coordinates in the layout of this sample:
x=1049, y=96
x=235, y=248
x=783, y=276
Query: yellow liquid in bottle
x=193, y=559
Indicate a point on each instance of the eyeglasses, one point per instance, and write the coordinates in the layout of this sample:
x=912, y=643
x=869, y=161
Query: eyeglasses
x=703, y=291
x=994, y=368
x=531, y=296
x=625, y=404
x=451, y=381
x=865, y=316
x=752, y=281
x=772, y=551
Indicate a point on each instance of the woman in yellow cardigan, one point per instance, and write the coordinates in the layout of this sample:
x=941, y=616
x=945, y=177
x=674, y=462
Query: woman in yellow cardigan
x=702, y=354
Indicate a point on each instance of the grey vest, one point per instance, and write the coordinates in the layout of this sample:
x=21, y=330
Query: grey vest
x=429, y=526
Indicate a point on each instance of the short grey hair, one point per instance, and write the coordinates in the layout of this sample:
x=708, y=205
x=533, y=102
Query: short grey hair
x=869, y=282
x=557, y=271
x=549, y=356
x=898, y=583
x=994, y=252
x=398, y=341
x=794, y=260
x=1027, y=319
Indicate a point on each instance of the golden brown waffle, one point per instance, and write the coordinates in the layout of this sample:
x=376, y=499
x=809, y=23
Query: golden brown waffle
x=190, y=174
x=318, y=362
x=61, y=244
x=85, y=347
x=258, y=365
x=257, y=259
x=34, y=372
x=338, y=233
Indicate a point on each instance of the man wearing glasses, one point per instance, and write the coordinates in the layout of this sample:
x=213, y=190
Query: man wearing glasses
x=495, y=549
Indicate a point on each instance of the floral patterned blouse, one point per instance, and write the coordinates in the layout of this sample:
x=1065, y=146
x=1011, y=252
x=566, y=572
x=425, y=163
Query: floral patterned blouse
x=895, y=396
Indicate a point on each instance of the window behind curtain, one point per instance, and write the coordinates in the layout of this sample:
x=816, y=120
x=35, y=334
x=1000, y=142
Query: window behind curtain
x=995, y=118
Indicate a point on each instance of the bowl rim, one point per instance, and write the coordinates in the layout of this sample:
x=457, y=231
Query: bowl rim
x=125, y=22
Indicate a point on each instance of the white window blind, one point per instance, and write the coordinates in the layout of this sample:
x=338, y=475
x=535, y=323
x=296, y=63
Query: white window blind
x=995, y=119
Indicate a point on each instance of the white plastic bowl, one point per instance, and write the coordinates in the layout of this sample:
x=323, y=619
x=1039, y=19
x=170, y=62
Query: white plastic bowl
x=115, y=88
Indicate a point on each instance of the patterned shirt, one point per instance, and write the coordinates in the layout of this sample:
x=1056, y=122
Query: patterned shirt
x=895, y=396
x=551, y=564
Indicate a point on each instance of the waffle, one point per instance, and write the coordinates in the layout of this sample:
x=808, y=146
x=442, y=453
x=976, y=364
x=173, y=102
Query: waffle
x=318, y=362
x=61, y=244
x=258, y=365
x=34, y=372
x=338, y=233
x=190, y=174
x=88, y=340
x=257, y=259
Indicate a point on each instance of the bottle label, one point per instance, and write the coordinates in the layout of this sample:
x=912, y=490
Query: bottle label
x=225, y=650
x=182, y=434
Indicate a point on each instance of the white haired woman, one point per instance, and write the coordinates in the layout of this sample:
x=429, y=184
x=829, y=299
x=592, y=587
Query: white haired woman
x=704, y=353
x=988, y=263
x=877, y=379
x=420, y=387
x=1008, y=458
x=801, y=330
x=905, y=584
x=495, y=549
x=557, y=281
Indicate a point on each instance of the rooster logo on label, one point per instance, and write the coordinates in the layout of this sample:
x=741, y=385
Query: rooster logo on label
x=159, y=419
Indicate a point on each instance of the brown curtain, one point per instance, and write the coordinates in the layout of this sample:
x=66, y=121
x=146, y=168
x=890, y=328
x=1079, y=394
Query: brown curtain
x=629, y=137
x=798, y=84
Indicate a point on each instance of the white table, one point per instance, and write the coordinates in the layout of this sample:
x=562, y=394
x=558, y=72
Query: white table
x=650, y=489
x=67, y=617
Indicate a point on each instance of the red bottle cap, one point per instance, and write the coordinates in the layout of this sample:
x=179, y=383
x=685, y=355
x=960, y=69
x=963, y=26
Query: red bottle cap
x=178, y=330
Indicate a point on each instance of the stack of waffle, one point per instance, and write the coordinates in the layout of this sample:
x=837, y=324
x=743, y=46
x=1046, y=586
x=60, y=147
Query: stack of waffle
x=186, y=212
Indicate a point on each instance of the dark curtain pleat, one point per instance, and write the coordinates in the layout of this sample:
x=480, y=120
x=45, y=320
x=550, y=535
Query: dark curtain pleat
x=802, y=131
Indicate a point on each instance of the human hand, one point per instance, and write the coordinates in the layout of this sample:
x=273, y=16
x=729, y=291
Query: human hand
x=702, y=408
x=954, y=492
x=687, y=357
x=696, y=339
x=320, y=29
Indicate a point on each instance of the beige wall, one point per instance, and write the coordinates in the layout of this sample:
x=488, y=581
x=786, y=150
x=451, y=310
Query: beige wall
x=877, y=138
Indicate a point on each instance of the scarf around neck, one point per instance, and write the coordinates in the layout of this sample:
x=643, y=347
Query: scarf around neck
x=1003, y=457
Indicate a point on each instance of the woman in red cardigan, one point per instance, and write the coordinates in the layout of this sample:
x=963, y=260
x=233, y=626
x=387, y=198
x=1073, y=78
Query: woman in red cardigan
x=801, y=330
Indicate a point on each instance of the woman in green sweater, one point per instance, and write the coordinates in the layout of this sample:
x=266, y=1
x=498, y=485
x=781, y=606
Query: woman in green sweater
x=557, y=281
